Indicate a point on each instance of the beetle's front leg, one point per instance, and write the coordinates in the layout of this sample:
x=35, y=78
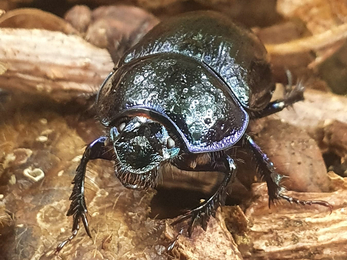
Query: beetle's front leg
x=97, y=149
x=208, y=208
x=272, y=178
x=294, y=95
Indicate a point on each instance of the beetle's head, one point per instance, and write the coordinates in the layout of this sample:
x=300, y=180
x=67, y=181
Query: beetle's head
x=141, y=145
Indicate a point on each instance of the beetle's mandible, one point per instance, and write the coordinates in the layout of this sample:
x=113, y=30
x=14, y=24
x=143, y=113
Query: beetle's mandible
x=188, y=89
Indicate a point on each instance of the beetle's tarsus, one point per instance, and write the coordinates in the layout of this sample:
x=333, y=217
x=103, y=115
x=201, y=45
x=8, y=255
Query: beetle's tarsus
x=174, y=241
x=66, y=241
x=306, y=202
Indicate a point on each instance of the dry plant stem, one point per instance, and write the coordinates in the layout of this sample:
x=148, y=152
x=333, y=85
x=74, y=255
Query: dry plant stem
x=314, y=42
x=45, y=62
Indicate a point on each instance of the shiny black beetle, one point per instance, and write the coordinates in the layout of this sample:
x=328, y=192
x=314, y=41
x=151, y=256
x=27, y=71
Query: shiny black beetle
x=185, y=93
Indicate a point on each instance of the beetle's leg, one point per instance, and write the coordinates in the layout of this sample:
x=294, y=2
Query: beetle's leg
x=265, y=168
x=97, y=149
x=291, y=97
x=272, y=178
x=208, y=208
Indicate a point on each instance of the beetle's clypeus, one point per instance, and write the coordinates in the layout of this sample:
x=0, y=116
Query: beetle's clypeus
x=188, y=89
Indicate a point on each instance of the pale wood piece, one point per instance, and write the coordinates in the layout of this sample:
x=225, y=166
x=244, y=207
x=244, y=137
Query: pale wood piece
x=51, y=63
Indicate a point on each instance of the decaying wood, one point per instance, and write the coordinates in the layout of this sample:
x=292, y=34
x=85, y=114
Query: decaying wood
x=215, y=244
x=31, y=18
x=288, y=231
x=318, y=15
x=294, y=152
x=80, y=17
x=283, y=231
x=334, y=137
x=317, y=107
x=63, y=66
x=117, y=28
x=60, y=66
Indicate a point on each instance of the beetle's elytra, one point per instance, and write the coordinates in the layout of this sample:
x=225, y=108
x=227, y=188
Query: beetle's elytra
x=187, y=89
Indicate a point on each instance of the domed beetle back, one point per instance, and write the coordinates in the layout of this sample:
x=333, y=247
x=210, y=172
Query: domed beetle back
x=234, y=53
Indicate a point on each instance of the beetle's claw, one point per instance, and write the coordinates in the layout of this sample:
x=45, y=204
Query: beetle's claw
x=79, y=214
x=193, y=215
x=201, y=213
x=77, y=217
x=85, y=224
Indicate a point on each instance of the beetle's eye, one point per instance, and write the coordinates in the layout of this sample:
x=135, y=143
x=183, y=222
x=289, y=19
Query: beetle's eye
x=141, y=145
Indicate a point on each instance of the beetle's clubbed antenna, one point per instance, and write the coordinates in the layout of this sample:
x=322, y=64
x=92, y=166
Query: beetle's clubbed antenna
x=291, y=96
x=97, y=149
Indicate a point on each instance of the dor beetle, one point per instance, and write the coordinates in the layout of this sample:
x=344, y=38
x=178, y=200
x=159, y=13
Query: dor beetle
x=185, y=93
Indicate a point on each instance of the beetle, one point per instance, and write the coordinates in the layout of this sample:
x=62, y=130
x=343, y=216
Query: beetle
x=184, y=95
